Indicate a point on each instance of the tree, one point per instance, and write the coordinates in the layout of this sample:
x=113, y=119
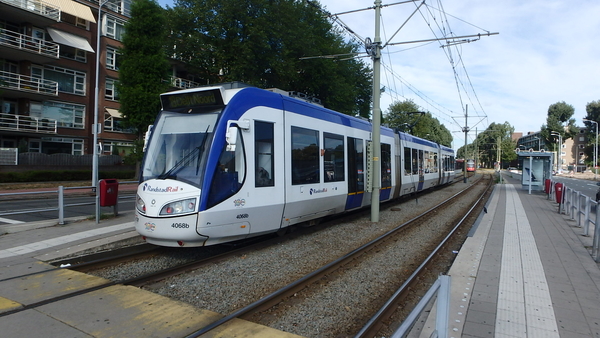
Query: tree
x=144, y=68
x=592, y=113
x=493, y=144
x=262, y=43
x=407, y=117
x=558, y=114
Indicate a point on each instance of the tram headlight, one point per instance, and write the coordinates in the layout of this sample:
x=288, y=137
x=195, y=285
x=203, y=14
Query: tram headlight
x=179, y=207
x=140, y=204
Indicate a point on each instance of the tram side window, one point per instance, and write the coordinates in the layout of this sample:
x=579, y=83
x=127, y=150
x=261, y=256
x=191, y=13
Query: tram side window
x=407, y=161
x=356, y=176
x=415, y=162
x=386, y=165
x=421, y=162
x=333, y=159
x=305, y=156
x=263, y=147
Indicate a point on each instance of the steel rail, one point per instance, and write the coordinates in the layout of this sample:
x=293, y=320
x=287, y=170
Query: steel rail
x=374, y=324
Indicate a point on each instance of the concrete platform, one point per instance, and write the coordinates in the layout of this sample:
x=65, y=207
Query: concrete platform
x=525, y=272
x=26, y=281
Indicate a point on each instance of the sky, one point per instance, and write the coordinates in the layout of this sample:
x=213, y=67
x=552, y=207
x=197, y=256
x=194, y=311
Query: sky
x=546, y=51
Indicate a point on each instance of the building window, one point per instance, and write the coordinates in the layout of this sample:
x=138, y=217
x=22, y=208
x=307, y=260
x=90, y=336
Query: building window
x=112, y=58
x=35, y=146
x=67, y=115
x=117, y=148
x=115, y=27
x=114, y=122
x=120, y=6
x=73, y=20
x=69, y=81
x=110, y=91
x=58, y=145
x=73, y=53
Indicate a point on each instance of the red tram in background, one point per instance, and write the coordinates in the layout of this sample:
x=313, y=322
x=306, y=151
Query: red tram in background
x=460, y=165
x=471, y=166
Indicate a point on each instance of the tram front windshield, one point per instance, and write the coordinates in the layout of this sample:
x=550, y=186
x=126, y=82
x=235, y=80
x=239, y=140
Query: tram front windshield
x=178, y=147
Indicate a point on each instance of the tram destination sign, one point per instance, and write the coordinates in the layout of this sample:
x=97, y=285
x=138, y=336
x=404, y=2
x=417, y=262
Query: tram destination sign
x=191, y=99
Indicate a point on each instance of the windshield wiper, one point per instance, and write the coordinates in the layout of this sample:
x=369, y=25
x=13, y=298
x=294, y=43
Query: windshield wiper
x=186, y=160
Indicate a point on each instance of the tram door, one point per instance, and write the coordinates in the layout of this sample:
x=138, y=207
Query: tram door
x=356, y=173
x=266, y=187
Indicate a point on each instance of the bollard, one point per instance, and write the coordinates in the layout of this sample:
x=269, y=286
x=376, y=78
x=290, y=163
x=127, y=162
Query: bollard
x=61, y=205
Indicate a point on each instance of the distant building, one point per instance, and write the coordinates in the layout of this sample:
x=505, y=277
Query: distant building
x=572, y=153
x=48, y=76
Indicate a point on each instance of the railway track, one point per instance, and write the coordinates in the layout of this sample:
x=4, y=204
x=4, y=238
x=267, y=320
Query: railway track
x=164, y=273
x=287, y=296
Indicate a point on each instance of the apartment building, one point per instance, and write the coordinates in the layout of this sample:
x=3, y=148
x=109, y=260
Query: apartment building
x=49, y=65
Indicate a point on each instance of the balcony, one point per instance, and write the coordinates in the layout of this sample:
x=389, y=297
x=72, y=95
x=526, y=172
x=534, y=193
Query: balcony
x=27, y=124
x=22, y=86
x=180, y=83
x=24, y=47
x=37, y=11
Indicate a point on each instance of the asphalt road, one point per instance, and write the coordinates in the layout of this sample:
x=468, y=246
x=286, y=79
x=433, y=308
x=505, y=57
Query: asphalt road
x=15, y=211
x=586, y=187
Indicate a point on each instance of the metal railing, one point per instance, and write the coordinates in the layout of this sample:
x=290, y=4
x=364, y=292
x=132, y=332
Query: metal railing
x=27, y=43
x=28, y=84
x=61, y=200
x=441, y=288
x=579, y=206
x=26, y=123
x=178, y=82
x=37, y=7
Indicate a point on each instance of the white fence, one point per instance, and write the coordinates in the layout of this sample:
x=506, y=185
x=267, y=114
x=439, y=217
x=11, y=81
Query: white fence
x=9, y=156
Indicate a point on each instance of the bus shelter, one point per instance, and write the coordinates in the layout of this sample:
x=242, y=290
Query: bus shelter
x=536, y=167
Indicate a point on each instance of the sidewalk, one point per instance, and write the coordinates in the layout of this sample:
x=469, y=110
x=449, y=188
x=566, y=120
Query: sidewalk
x=525, y=272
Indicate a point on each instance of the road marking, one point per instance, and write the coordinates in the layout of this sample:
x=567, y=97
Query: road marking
x=10, y=221
x=49, y=243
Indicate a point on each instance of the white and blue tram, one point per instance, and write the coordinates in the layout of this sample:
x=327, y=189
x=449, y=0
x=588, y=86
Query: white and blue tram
x=227, y=164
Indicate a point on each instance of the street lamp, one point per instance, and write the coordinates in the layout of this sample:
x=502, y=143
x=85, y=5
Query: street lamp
x=559, y=164
x=595, y=146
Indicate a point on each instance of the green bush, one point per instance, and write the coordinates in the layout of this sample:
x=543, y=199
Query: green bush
x=66, y=175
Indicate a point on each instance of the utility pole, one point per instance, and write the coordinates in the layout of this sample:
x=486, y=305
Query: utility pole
x=375, y=51
x=466, y=130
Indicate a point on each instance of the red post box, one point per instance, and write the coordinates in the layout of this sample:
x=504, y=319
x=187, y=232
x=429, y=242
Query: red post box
x=109, y=192
x=547, y=186
x=558, y=189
